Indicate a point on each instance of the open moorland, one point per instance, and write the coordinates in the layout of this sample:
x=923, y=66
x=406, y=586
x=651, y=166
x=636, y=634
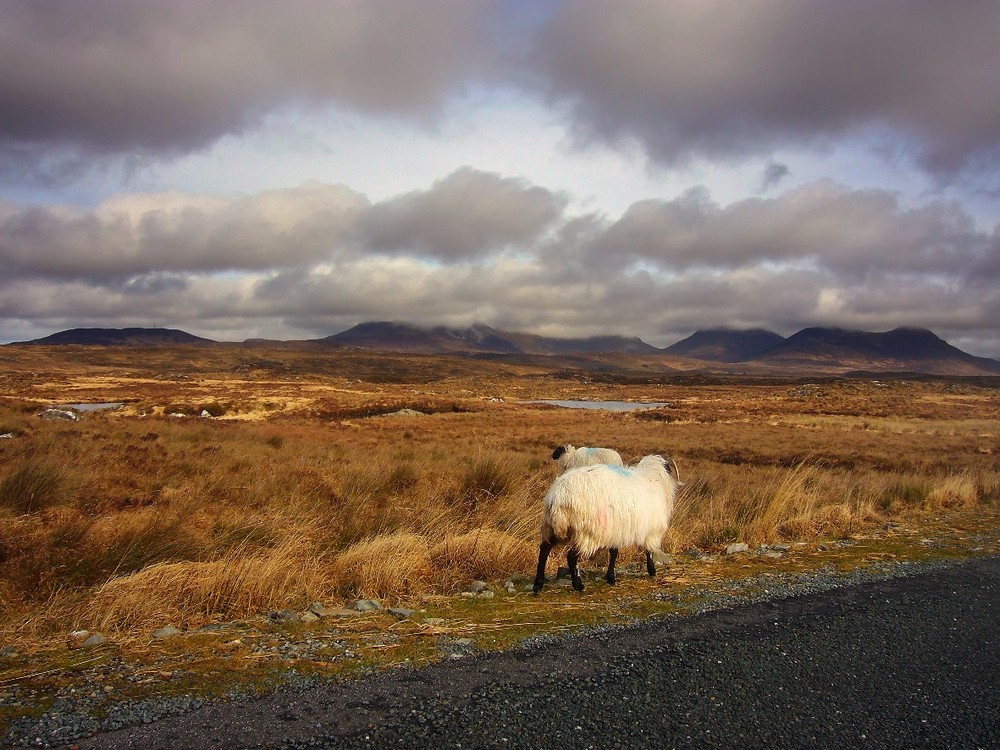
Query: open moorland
x=233, y=481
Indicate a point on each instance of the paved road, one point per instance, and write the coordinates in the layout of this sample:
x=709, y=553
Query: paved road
x=904, y=663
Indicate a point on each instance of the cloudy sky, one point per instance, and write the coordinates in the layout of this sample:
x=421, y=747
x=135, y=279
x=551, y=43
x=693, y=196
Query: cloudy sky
x=242, y=168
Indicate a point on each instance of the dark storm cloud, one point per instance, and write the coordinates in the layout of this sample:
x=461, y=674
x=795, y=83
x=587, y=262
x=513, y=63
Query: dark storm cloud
x=709, y=78
x=463, y=216
x=120, y=75
x=719, y=78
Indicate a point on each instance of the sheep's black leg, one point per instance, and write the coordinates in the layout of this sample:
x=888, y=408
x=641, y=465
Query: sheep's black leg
x=543, y=555
x=650, y=567
x=612, y=559
x=572, y=558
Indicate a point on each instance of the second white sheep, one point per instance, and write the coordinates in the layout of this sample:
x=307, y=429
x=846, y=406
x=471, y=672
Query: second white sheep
x=568, y=457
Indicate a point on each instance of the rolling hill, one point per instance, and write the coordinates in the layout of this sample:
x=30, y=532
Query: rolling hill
x=901, y=349
x=122, y=337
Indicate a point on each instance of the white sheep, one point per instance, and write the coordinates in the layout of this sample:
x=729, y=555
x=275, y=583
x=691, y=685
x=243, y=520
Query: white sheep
x=568, y=457
x=599, y=507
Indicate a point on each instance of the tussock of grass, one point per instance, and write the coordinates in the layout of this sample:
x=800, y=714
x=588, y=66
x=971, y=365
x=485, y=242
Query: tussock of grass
x=954, y=491
x=34, y=485
x=391, y=565
x=484, y=553
x=188, y=593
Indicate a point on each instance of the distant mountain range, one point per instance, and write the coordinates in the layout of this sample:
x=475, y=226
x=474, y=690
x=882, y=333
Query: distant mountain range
x=754, y=351
x=402, y=337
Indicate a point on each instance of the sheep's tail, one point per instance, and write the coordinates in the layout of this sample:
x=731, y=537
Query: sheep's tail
x=558, y=523
x=560, y=526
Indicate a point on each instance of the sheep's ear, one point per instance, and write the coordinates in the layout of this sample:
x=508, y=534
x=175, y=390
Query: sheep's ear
x=558, y=452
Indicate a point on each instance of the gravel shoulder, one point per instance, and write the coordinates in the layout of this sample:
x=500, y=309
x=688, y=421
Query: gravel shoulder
x=903, y=655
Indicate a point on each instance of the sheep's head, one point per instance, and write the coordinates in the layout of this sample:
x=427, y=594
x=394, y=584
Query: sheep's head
x=561, y=451
x=668, y=465
x=671, y=466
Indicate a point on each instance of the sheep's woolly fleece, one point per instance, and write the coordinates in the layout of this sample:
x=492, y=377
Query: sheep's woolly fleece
x=597, y=507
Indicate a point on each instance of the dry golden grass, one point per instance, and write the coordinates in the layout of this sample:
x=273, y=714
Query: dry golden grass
x=238, y=585
x=304, y=489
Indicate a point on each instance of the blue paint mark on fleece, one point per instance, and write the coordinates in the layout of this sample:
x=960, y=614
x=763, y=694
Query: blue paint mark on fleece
x=620, y=470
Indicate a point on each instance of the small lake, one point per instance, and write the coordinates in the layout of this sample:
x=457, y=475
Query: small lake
x=603, y=405
x=94, y=407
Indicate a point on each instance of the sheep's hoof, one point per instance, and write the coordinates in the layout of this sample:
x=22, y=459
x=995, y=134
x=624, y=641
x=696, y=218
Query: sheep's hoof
x=612, y=580
x=536, y=588
x=578, y=584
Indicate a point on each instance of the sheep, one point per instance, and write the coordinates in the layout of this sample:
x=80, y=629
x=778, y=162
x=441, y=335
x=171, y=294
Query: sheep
x=568, y=457
x=606, y=507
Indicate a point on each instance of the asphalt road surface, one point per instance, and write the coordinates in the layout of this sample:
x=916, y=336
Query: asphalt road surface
x=903, y=663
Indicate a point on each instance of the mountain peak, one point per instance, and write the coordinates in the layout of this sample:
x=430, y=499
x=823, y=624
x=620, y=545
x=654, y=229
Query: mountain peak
x=726, y=344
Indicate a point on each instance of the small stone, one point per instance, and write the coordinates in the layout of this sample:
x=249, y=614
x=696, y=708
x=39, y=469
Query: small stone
x=773, y=555
x=213, y=627
x=308, y=617
x=7, y=652
x=94, y=639
x=562, y=573
x=780, y=547
x=519, y=578
x=402, y=613
x=60, y=414
x=694, y=553
x=205, y=413
x=510, y=587
x=7, y=436
x=366, y=605
x=434, y=621
x=477, y=587
x=737, y=547
x=166, y=631
x=283, y=615
x=487, y=594
x=406, y=413
x=336, y=612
